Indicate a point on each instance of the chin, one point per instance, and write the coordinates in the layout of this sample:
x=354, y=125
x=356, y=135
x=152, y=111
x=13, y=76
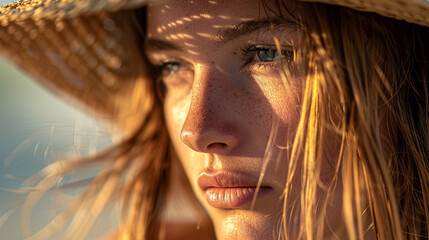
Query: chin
x=245, y=224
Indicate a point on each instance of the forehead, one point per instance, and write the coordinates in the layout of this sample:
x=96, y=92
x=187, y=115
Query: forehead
x=179, y=17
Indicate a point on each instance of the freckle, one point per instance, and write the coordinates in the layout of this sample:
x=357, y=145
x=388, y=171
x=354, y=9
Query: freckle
x=186, y=27
x=260, y=115
x=212, y=62
x=235, y=53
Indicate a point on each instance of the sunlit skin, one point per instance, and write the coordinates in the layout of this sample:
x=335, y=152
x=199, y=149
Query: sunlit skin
x=222, y=99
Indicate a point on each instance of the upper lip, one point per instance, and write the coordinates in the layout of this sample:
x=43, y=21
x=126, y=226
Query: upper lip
x=226, y=180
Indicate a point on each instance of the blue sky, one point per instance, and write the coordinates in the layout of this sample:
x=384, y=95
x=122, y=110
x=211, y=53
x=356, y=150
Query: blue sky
x=33, y=125
x=3, y=2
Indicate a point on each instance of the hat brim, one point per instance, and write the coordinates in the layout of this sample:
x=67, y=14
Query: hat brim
x=412, y=11
x=73, y=48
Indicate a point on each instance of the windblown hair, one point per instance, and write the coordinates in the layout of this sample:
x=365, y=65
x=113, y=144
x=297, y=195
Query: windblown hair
x=134, y=171
x=367, y=84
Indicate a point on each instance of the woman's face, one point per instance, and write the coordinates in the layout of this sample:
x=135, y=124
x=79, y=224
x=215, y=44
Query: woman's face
x=224, y=91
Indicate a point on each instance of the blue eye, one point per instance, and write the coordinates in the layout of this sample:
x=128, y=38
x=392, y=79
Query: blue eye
x=267, y=54
x=169, y=68
x=175, y=73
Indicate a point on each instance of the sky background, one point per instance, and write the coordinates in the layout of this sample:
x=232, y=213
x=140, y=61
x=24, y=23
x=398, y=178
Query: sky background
x=3, y=2
x=33, y=125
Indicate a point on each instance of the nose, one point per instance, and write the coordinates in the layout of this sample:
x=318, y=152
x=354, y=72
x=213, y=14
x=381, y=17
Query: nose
x=211, y=124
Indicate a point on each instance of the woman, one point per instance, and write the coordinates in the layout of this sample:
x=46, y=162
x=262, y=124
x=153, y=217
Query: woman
x=290, y=120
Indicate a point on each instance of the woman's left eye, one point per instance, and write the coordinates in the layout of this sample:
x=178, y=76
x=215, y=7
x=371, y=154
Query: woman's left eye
x=266, y=54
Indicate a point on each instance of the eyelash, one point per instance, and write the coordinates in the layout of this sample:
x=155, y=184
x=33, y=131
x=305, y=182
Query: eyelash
x=251, y=51
x=163, y=65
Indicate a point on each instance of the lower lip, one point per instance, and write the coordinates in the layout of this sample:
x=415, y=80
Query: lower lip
x=233, y=197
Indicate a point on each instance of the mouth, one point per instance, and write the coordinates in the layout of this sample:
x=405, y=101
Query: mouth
x=230, y=190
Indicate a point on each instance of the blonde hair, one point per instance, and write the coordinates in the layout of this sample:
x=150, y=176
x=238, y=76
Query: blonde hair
x=367, y=85
x=134, y=171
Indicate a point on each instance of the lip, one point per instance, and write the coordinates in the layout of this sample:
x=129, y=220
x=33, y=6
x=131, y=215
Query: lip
x=230, y=190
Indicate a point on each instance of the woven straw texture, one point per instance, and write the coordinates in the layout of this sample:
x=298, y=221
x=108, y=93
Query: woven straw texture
x=67, y=47
x=54, y=9
x=413, y=11
x=76, y=46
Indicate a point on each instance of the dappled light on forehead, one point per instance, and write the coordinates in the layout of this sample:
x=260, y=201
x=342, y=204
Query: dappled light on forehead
x=206, y=35
x=185, y=36
x=189, y=44
x=224, y=17
x=206, y=16
x=193, y=52
x=179, y=15
x=183, y=20
x=218, y=28
x=180, y=36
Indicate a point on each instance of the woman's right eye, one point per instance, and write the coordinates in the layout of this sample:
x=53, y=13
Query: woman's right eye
x=175, y=73
x=169, y=68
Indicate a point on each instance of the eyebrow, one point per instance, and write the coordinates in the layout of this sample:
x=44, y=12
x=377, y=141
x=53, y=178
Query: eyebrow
x=231, y=33
x=248, y=27
x=160, y=45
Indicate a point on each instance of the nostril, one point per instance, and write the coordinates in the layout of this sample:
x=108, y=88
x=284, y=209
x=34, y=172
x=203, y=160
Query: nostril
x=216, y=145
x=209, y=139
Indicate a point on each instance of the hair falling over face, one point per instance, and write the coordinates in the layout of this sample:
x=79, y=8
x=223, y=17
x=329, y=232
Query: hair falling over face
x=366, y=87
x=370, y=88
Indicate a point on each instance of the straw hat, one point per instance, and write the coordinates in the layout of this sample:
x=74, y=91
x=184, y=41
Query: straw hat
x=76, y=40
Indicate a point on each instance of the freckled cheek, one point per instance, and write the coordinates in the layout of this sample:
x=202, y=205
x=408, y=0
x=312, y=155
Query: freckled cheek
x=175, y=112
x=286, y=104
